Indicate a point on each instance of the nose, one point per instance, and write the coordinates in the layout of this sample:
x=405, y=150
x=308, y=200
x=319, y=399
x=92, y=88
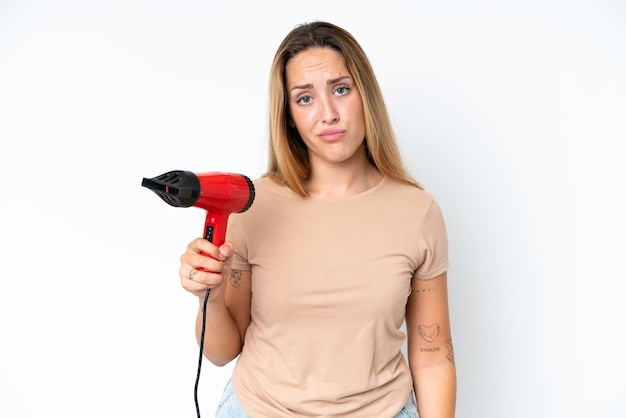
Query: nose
x=329, y=112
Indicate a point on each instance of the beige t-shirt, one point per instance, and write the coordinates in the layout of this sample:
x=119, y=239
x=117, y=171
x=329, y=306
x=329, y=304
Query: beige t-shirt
x=330, y=282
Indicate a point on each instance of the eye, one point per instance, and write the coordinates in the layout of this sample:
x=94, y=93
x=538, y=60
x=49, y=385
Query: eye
x=342, y=90
x=304, y=100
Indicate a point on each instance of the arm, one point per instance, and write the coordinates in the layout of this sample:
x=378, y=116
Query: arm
x=431, y=357
x=228, y=307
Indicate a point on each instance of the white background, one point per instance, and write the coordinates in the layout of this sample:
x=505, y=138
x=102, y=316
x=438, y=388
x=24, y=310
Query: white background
x=512, y=113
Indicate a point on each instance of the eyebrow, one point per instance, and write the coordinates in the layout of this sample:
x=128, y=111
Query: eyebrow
x=329, y=83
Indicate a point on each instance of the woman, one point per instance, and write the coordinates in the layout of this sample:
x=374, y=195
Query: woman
x=340, y=247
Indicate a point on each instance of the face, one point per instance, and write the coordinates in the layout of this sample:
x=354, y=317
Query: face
x=325, y=106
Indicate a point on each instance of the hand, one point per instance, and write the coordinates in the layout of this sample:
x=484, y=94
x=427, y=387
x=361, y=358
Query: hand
x=205, y=266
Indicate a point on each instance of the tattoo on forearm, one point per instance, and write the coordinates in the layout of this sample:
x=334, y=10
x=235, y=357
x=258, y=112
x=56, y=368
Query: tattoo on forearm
x=429, y=333
x=235, y=277
x=450, y=350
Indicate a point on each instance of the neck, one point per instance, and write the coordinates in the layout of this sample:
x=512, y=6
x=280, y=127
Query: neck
x=341, y=180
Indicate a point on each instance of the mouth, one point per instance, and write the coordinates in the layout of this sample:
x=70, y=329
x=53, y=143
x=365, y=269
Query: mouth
x=331, y=134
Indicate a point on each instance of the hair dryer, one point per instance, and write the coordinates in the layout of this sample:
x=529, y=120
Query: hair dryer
x=220, y=194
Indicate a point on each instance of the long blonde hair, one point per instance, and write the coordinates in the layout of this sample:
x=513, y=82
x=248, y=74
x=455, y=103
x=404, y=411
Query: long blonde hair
x=288, y=155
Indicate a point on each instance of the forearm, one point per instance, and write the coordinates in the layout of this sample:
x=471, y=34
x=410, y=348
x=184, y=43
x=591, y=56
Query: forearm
x=222, y=341
x=435, y=390
x=431, y=355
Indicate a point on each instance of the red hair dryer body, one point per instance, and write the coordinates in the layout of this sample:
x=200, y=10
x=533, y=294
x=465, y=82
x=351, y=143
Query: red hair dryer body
x=220, y=194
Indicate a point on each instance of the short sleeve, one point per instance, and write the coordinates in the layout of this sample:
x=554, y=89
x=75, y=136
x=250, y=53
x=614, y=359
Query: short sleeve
x=235, y=234
x=433, y=244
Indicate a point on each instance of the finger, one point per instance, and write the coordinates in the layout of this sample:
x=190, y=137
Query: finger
x=206, y=263
x=187, y=279
x=207, y=247
x=192, y=274
x=187, y=273
x=226, y=250
x=211, y=276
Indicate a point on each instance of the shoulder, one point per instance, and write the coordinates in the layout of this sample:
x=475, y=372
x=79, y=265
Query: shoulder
x=268, y=195
x=266, y=185
x=407, y=195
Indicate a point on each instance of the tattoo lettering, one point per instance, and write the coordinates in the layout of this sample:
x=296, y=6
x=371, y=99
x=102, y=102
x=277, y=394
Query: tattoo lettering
x=451, y=351
x=430, y=350
x=429, y=333
x=235, y=277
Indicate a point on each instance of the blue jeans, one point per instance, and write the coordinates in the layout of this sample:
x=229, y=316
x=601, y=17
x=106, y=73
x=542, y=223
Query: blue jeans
x=229, y=406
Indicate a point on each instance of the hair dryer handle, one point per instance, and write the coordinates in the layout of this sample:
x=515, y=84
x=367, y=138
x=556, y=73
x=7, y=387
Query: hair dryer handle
x=215, y=229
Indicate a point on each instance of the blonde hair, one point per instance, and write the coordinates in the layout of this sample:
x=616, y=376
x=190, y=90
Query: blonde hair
x=288, y=155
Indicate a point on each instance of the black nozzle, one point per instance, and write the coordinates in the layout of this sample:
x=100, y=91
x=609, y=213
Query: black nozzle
x=251, y=193
x=177, y=188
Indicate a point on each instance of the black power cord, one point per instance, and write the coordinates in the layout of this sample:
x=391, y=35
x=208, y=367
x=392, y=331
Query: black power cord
x=195, y=392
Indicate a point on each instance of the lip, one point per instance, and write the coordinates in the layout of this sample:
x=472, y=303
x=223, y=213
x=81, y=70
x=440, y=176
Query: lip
x=331, y=134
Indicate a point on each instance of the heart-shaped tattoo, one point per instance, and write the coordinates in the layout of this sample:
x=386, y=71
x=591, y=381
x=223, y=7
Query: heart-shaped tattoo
x=429, y=333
